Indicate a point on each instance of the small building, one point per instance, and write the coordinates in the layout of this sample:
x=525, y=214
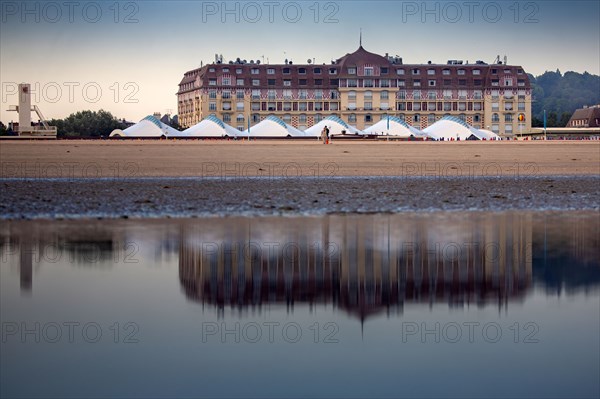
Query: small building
x=585, y=117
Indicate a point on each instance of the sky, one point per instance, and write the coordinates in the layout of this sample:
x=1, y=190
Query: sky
x=127, y=57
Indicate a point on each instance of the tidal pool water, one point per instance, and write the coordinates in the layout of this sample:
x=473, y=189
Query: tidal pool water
x=441, y=304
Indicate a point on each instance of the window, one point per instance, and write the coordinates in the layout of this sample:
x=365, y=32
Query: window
x=399, y=71
x=318, y=82
x=508, y=106
x=495, y=106
x=211, y=69
x=519, y=71
x=238, y=70
x=254, y=71
x=317, y=71
x=351, y=95
x=318, y=118
x=271, y=82
x=508, y=82
x=287, y=118
x=255, y=117
x=462, y=106
x=477, y=94
x=239, y=106
x=287, y=82
x=212, y=94
x=302, y=82
x=476, y=72
x=302, y=94
x=495, y=94
x=417, y=118
x=255, y=82
x=227, y=118
x=302, y=106
x=431, y=72
x=332, y=71
x=462, y=82
x=368, y=83
x=431, y=106
x=271, y=94
x=445, y=71
x=368, y=71
x=416, y=106
x=270, y=71
x=302, y=71
x=384, y=83
x=477, y=82
x=402, y=94
x=287, y=94
x=368, y=105
x=286, y=71
x=255, y=94
x=212, y=82
x=462, y=117
x=368, y=118
x=417, y=83
x=447, y=106
x=431, y=83
x=212, y=106
x=462, y=94
x=226, y=94
x=494, y=71
x=521, y=106
x=430, y=118
x=495, y=118
x=226, y=106
x=271, y=106
x=476, y=118
x=401, y=83
x=384, y=95
x=520, y=82
x=384, y=70
x=508, y=118
x=417, y=94
x=352, y=83
x=352, y=71
x=447, y=94
x=302, y=118
x=368, y=94
x=239, y=94
x=226, y=81
x=318, y=94
x=477, y=107
x=239, y=82
x=507, y=71
x=416, y=71
x=431, y=95
x=239, y=118
x=461, y=71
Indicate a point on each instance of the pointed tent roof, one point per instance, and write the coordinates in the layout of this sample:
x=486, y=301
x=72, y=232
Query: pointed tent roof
x=453, y=128
x=272, y=126
x=336, y=127
x=398, y=127
x=211, y=126
x=150, y=126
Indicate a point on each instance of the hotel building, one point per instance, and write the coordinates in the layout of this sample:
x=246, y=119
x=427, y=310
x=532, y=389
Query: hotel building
x=361, y=88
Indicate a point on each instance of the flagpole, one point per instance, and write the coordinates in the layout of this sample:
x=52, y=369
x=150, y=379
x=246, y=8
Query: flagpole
x=545, y=135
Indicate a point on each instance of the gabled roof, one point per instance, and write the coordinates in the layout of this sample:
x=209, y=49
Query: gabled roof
x=397, y=127
x=453, y=128
x=272, y=126
x=211, y=126
x=336, y=127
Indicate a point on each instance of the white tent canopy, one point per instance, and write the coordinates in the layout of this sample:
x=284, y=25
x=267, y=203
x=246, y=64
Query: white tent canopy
x=336, y=127
x=453, y=128
x=150, y=126
x=397, y=127
x=272, y=126
x=211, y=126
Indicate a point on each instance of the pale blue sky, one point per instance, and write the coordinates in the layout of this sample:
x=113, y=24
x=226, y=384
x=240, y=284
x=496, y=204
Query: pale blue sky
x=68, y=52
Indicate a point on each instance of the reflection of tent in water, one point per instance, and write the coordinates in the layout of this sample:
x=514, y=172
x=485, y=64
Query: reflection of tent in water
x=394, y=126
x=150, y=126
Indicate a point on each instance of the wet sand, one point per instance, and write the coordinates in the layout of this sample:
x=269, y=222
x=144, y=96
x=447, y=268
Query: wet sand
x=283, y=158
x=113, y=179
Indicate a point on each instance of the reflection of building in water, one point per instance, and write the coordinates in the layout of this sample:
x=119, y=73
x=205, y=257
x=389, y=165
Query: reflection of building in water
x=363, y=264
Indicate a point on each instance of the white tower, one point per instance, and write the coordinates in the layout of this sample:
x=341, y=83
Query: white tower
x=24, y=107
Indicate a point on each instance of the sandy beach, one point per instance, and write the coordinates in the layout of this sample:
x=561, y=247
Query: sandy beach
x=283, y=158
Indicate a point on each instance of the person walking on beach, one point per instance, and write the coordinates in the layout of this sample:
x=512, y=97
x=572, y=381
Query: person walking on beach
x=324, y=134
